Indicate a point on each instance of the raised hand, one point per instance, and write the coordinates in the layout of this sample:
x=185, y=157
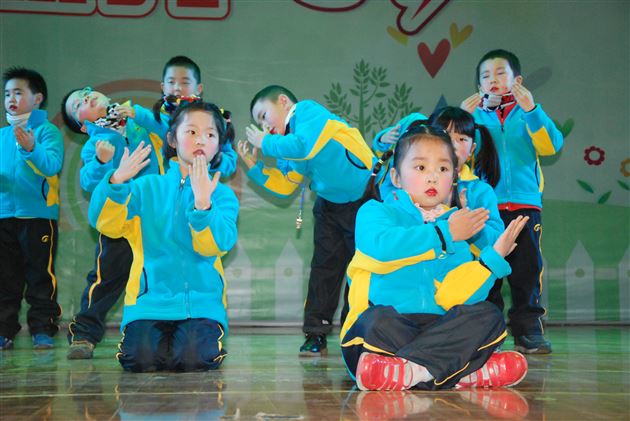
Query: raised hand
x=104, y=151
x=130, y=165
x=249, y=158
x=470, y=103
x=255, y=135
x=523, y=97
x=392, y=135
x=24, y=138
x=507, y=241
x=126, y=111
x=464, y=223
x=202, y=185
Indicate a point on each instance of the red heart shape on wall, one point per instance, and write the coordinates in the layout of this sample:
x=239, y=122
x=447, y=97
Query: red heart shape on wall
x=433, y=61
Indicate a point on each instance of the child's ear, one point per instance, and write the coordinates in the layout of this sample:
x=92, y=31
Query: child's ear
x=39, y=97
x=199, y=89
x=519, y=79
x=393, y=174
x=162, y=87
x=285, y=101
x=171, y=140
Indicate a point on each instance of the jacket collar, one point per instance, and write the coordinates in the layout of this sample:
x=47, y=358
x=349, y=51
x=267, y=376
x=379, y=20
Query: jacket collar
x=36, y=118
x=466, y=174
x=401, y=199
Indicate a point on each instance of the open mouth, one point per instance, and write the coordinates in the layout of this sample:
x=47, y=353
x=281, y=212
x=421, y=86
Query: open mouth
x=199, y=152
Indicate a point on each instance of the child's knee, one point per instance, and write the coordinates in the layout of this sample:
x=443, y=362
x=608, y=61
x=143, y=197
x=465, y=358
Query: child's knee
x=379, y=320
x=490, y=315
x=137, y=362
x=194, y=359
x=142, y=349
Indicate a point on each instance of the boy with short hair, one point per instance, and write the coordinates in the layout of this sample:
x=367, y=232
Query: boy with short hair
x=31, y=157
x=91, y=112
x=307, y=140
x=522, y=132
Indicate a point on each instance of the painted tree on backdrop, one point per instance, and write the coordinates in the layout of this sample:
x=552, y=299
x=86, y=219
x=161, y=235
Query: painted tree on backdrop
x=372, y=104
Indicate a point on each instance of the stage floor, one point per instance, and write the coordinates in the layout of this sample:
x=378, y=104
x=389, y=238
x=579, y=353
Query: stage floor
x=586, y=378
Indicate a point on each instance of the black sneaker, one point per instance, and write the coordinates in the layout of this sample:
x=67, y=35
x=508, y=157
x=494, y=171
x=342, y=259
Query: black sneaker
x=80, y=350
x=532, y=344
x=315, y=345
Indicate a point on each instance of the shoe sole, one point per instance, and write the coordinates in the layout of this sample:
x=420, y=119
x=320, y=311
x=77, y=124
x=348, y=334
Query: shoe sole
x=529, y=351
x=321, y=353
x=79, y=355
x=42, y=347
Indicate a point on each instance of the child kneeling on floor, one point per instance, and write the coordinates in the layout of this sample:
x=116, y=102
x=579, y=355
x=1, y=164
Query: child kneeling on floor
x=178, y=226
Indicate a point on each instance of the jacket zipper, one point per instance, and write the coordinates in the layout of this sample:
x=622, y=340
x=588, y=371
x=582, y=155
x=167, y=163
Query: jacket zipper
x=182, y=182
x=508, y=174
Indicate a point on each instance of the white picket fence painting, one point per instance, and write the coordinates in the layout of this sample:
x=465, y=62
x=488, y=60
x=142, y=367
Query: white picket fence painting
x=289, y=277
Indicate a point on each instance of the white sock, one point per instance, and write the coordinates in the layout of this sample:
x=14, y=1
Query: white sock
x=416, y=373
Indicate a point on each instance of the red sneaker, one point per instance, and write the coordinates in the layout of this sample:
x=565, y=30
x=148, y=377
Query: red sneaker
x=379, y=372
x=503, y=369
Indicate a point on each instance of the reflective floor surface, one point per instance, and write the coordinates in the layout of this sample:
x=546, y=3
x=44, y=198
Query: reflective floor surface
x=586, y=378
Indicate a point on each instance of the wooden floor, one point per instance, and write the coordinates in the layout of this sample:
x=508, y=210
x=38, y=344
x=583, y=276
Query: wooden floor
x=586, y=378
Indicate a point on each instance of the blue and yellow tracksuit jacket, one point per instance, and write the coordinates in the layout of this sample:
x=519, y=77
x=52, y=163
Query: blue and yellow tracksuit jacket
x=415, y=267
x=321, y=146
x=176, y=272
x=29, y=181
x=520, y=140
x=157, y=133
x=93, y=170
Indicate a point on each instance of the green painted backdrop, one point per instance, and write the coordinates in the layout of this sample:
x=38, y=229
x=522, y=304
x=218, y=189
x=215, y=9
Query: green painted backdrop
x=372, y=62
